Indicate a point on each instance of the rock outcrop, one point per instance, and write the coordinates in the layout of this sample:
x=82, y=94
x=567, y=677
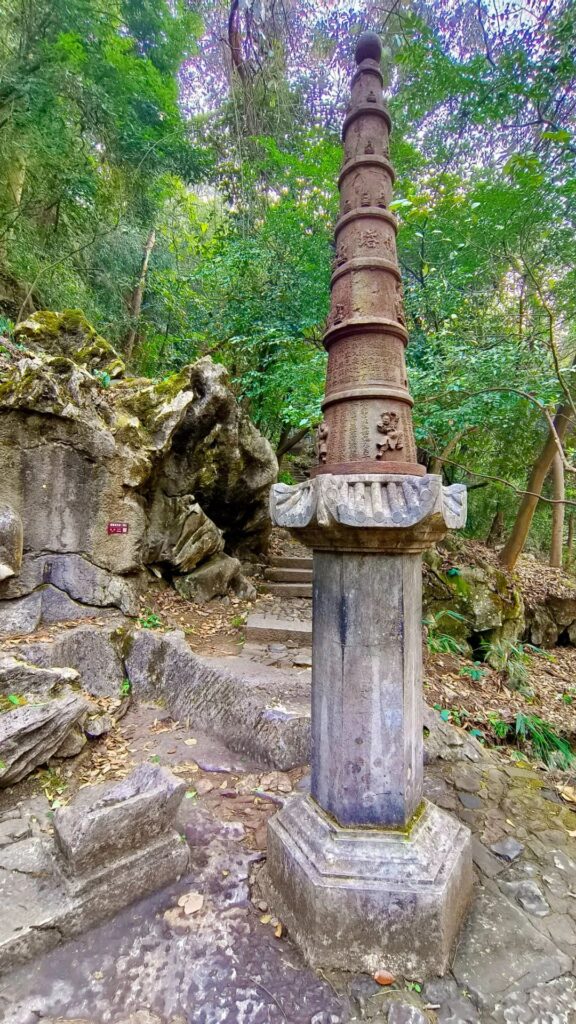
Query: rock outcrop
x=40, y=716
x=468, y=596
x=109, y=474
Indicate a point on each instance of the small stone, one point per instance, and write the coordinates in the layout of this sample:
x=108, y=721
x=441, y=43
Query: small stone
x=529, y=896
x=325, y=1018
x=98, y=725
x=470, y=801
x=302, y=661
x=484, y=860
x=203, y=786
x=12, y=830
x=276, y=648
x=405, y=1013
x=508, y=848
x=467, y=778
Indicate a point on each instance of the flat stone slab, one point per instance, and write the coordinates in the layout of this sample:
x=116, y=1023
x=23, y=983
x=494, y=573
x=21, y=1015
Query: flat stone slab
x=252, y=708
x=264, y=629
x=292, y=561
x=290, y=590
x=500, y=954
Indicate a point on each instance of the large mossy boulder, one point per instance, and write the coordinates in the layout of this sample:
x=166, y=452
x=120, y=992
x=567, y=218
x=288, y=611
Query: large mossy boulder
x=467, y=595
x=110, y=474
x=476, y=603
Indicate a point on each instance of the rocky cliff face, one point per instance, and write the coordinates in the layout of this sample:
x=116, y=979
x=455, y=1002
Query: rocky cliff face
x=103, y=475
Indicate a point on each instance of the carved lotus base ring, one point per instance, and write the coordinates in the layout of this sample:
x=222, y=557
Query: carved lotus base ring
x=394, y=514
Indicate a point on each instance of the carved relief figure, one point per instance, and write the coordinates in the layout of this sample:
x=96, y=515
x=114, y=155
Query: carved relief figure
x=322, y=442
x=381, y=199
x=369, y=147
x=393, y=438
x=371, y=97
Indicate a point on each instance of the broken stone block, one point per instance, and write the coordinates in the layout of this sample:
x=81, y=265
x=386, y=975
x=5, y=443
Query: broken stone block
x=74, y=742
x=32, y=733
x=212, y=579
x=94, y=651
x=11, y=540
x=99, y=828
x=17, y=676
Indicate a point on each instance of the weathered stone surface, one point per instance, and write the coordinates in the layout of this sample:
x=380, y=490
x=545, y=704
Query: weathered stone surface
x=74, y=742
x=487, y=604
x=367, y=736
x=110, y=848
x=500, y=953
x=102, y=826
x=109, y=479
x=11, y=538
x=253, y=709
x=528, y=895
x=95, y=652
x=180, y=534
x=508, y=848
x=354, y=899
x=364, y=512
x=406, y=1013
x=32, y=733
x=212, y=579
x=18, y=676
x=78, y=578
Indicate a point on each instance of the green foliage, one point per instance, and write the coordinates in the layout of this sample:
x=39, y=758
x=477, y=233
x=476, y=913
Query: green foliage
x=125, y=688
x=545, y=743
x=439, y=642
x=149, y=620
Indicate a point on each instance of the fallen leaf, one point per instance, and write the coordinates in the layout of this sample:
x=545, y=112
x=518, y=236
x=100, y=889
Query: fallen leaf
x=567, y=793
x=266, y=918
x=279, y=930
x=191, y=902
x=191, y=742
x=384, y=978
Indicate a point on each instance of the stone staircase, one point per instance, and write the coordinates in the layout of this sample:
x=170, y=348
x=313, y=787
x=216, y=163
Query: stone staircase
x=289, y=576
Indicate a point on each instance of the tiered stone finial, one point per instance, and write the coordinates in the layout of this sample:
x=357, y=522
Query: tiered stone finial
x=364, y=871
x=367, y=426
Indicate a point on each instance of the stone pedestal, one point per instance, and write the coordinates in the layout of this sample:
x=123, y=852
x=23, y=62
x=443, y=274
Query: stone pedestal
x=364, y=872
x=359, y=899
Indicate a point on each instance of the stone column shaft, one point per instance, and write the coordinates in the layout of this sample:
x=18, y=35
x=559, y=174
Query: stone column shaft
x=366, y=687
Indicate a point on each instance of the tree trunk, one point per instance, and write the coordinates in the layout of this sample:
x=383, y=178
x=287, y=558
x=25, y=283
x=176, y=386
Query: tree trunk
x=135, y=304
x=557, y=539
x=570, y=544
x=496, y=531
x=517, y=539
x=437, y=462
x=289, y=441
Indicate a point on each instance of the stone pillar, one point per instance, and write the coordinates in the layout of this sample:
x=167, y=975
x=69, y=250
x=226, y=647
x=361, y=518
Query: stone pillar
x=366, y=700
x=364, y=872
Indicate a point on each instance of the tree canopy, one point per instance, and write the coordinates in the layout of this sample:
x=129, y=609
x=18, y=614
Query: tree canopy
x=170, y=167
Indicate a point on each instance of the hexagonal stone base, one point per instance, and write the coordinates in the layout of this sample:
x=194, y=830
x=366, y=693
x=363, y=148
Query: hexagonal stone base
x=359, y=899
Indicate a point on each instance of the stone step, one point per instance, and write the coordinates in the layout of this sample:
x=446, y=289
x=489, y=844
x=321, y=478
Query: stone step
x=292, y=561
x=281, y=575
x=290, y=589
x=265, y=629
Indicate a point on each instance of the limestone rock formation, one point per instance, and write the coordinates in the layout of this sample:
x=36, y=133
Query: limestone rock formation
x=33, y=732
x=109, y=474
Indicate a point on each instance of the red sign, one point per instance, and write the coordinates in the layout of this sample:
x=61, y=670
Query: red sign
x=117, y=528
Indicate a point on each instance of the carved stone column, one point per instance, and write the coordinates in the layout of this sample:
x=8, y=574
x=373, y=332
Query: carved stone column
x=364, y=872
